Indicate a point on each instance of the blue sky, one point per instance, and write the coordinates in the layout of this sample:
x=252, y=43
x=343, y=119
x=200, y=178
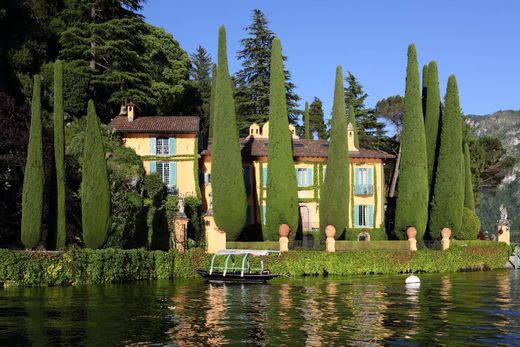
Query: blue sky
x=476, y=40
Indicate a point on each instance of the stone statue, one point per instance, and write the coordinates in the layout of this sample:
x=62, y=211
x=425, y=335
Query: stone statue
x=503, y=212
x=180, y=206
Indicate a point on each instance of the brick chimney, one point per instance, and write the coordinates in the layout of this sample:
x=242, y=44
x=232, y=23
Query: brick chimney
x=130, y=111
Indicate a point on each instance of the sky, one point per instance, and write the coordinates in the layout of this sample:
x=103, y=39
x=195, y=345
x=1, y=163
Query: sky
x=476, y=40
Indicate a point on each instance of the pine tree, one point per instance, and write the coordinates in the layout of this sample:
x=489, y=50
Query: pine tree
x=33, y=181
x=212, y=100
x=412, y=199
x=352, y=120
x=335, y=193
x=469, y=197
x=370, y=129
x=282, y=190
x=448, y=195
x=316, y=121
x=229, y=196
x=431, y=121
x=252, y=82
x=307, y=126
x=95, y=190
x=200, y=73
x=59, y=156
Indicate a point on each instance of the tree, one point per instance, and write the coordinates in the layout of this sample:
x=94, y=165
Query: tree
x=59, y=157
x=469, y=197
x=95, y=190
x=307, y=132
x=448, y=195
x=432, y=121
x=412, y=200
x=335, y=193
x=282, y=190
x=33, y=183
x=202, y=63
x=316, y=122
x=229, y=196
x=352, y=120
x=252, y=82
x=212, y=99
x=370, y=129
x=424, y=87
x=492, y=164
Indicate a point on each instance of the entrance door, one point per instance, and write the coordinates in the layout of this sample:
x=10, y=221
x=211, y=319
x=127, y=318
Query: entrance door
x=306, y=217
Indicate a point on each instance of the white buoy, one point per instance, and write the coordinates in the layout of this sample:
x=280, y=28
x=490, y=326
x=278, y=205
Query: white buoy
x=412, y=279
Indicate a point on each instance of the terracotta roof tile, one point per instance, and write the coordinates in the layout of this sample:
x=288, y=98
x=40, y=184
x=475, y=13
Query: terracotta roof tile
x=157, y=124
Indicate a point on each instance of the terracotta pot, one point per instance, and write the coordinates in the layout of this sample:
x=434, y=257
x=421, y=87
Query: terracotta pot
x=283, y=230
x=411, y=232
x=330, y=231
x=446, y=232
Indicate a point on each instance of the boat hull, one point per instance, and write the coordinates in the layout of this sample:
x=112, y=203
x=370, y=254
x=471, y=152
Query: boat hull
x=218, y=277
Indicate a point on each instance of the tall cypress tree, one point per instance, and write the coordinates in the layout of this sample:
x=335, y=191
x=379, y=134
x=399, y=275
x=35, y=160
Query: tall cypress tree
x=229, y=195
x=335, y=192
x=282, y=190
x=307, y=132
x=469, y=196
x=352, y=120
x=448, y=194
x=212, y=99
x=431, y=121
x=95, y=190
x=316, y=121
x=424, y=87
x=59, y=156
x=33, y=180
x=412, y=199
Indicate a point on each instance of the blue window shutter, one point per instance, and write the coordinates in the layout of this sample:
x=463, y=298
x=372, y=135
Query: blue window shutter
x=324, y=171
x=357, y=176
x=309, y=177
x=264, y=176
x=370, y=219
x=369, y=179
x=206, y=178
x=153, y=146
x=172, y=146
x=356, y=216
x=153, y=167
x=173, y=174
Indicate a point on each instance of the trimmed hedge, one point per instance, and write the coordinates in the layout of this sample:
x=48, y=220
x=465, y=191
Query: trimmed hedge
x=376, y=234
x=270, y=245
x=366, y=245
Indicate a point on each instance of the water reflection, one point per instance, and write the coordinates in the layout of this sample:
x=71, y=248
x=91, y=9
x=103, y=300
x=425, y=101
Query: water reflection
x=454, y=309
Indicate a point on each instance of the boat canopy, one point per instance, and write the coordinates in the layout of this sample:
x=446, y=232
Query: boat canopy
x=253, y=252
x=245, y=265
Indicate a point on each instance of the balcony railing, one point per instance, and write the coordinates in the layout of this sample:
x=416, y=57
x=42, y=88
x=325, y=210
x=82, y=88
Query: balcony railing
x=363, y=189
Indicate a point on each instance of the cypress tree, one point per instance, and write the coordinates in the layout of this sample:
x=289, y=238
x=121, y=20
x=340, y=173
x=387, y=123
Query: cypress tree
x=448, y=194
x=352, y=120
x=59, y=156
x=412, y=199
x=212, y=99
x=229, y=196
x=95, y=190
x=307, y=133
x=335, y=192
x=282, y=190
x=33, y=180
x=469, y=197
x=424, y=87
x=431, y=121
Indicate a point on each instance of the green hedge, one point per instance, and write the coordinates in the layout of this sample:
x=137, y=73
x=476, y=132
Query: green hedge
x=376, y=234
x=270, y=245
x=365, y=245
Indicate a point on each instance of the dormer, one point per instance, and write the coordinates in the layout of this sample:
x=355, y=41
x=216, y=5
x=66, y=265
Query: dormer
x=292, y=129
x=265, y=129
x=350, y=136
x=130, y=111
x=254, y=130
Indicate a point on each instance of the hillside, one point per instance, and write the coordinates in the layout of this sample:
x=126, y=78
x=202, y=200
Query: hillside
x=506, y=126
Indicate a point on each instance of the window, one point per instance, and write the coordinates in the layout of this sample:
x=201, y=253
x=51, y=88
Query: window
x=163, y=169
x=362, y=215
x=162, y=146
x=363, y=181
x=304, y=177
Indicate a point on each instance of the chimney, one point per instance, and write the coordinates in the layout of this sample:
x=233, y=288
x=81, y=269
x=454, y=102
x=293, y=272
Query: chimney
x=130, y=111
x=351, y=145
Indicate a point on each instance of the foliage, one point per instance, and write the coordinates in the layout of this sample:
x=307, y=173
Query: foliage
x=381, y=244
x=95, y=190
x=334, y=204
x=469, y=198
x=316, y=120
x=212, y=100
x=252, y=82
x=270, y=245
x=200, y=74
x=33, y=183
x=229, y=195
x=376, y=234
x=59, y=156
x=306, y=124
x=470, y=227
x=154, y=188
x=412, y=200
x=432, y=122
x=282, y=190
x=448, y=195
x=392, y=109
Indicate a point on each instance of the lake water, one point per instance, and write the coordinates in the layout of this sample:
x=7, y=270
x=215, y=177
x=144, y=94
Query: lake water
x=481, y=308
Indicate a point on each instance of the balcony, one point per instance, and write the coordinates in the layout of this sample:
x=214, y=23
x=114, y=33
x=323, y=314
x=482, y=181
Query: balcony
x=363, y=189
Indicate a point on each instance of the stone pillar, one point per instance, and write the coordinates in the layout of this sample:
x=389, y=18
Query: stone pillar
x=283, y=232
x=411, y=232
x=330, y=243
x=215, y=238
x=445, y=242
x=179, y=237
x=504, y=234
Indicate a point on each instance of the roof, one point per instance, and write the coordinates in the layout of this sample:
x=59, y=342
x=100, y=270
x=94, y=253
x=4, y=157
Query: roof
x=301, y=148
x=156, y=124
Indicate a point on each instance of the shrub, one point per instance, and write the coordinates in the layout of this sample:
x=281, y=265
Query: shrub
x=470, y=226
x=376, y=234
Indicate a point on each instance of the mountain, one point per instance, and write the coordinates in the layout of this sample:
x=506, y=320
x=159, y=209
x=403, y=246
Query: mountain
x=504, y=125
